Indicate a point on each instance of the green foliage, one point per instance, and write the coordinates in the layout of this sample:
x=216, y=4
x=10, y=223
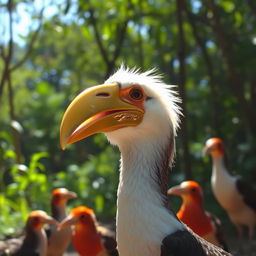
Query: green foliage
x=27, y=188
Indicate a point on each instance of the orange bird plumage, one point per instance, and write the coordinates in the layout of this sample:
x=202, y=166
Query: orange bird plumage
x=192, y=212
x=88, y=237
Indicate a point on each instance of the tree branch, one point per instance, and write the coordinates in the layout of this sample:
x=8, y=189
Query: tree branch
x=98, y=37
x=8, y=57
x=15, y=133
x=110, y=62
x=2, y=54
x=140, y=39
x=121, y=37
x=118, y=48
x=31, y=43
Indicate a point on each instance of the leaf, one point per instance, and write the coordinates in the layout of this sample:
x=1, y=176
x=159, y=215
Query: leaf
x=228, y=5
x=34, y=162
x=99, y=203
x=9, y=154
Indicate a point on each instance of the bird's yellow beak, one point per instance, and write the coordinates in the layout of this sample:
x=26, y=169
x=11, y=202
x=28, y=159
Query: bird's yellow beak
x=97, y=109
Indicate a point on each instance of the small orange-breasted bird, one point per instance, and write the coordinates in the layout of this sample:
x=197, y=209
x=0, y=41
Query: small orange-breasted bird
x=59, y=240
x=35, y=240
x=236, y=195
x=192, y=213
x=89, y=239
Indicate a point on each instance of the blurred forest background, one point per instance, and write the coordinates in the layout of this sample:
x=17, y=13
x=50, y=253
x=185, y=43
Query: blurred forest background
x=51, y=50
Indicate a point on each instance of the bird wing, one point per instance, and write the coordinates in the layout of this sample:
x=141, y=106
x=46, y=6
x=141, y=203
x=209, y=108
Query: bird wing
x=28, y=248
x=248, y=192
x=48, y=231
x=108, y=239
x=183, y=243
x=26, y=252
x=218, y=230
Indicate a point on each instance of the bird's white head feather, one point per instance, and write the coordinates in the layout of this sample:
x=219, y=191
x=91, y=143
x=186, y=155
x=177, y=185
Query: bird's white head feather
x=161, y=111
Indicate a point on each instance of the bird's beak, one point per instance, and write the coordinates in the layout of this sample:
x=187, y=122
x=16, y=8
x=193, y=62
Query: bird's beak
x=71, y=195
x=97, y=109
x=49, y=220
x=177, y=190
x=206, y=151
x=67, y=222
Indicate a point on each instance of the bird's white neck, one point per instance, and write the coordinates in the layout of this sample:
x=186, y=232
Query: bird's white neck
x=142, y=169
x=223, y=183
x=142, y=217
x=219, y=169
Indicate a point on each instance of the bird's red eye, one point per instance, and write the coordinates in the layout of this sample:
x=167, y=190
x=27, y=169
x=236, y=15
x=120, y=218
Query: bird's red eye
x=133, y=95
x=136, y=93
x=193, y=189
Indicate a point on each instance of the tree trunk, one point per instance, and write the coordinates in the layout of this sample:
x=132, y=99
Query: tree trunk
x=15, y=132
x=182, y=89
x=216, y=124
x=233, y=70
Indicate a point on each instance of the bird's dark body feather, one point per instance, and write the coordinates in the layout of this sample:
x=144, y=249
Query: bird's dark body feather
x=110, y=245
x=30, y=244
x=219, y=232
x=183, y=243
x=22, y=246
x=108, y=240
x=26, y=252
x=29, y=247
x=248, y=192
x=48, y=231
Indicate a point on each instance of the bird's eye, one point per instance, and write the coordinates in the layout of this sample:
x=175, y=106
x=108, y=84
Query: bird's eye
x=136, y=94
x=82, y=217
x=57, y=196
x=193, y=189
x=35, y=221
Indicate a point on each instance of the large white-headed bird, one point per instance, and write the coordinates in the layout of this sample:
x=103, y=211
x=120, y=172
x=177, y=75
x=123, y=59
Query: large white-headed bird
x=59, y=240
x=35, y=240
x=88, y=237
x=137, y=112
x=235, y=195
x=192, y=213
